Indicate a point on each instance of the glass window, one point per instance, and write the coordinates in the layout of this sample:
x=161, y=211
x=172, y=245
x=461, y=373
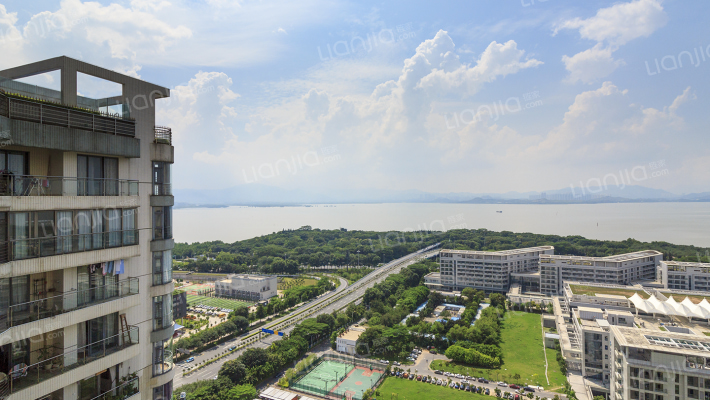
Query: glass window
x=162, y=223
x=129, y=226
x=162, y=311
x=97, y=176
x=162, y=357
x=161, y=179
x=163, y=392
x=162, y=267
x=114, y=227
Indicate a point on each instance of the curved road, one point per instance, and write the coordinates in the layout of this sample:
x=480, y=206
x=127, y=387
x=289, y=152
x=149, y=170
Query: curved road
x=337, y=300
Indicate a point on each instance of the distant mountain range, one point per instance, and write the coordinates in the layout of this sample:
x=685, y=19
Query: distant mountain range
x=262, y=195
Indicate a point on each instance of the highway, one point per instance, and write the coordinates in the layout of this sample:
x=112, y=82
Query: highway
x=336, y=300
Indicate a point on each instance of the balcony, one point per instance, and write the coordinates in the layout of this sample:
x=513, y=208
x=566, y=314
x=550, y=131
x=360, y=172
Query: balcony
x=48, y=113
x=30, y=185
x=163, y=135
x=22, y=249
x=23, y=376
x=162, y=189
x=52, y=306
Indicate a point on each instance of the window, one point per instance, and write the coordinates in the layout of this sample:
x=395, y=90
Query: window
x=97, y=176
x=162, y=311
x=162, y=223
x=13, y=164
x=163, y=392
x=162, y=267
x=162, y=357
x=161, y=179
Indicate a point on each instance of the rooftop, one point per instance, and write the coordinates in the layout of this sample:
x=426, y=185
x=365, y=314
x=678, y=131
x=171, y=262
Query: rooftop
x=662, y=341
x=615, y=258
x=502, y=252
x=353, y=333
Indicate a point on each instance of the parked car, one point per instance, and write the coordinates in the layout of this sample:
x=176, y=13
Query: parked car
x=189, y=360
x=232, y=348
x=183, y=395
x=438, y=372
x=502, y=384
x=406, y=375
x=411, y=377
x=513, y=386
x=528, y=389
x=488, y=391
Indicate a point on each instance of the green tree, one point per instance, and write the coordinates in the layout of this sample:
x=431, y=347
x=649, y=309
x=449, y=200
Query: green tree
x=240, y=392
x=234, y=370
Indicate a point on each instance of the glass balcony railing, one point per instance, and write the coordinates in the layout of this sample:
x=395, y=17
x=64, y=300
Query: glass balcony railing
x=52, y=306
x=21, y=249
x=121, y=392
x=28, y=185
x=23, y=376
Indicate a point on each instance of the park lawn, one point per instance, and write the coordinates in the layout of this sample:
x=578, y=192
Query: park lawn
x=404, y=389
x=523, y=354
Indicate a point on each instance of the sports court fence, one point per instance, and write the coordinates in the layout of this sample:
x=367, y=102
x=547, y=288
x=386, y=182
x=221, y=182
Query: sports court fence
x=327, y=390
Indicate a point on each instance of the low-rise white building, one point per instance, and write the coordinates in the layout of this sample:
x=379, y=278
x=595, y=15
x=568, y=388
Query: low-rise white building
x=248, y=287
x=347, y=341
x=684, y=275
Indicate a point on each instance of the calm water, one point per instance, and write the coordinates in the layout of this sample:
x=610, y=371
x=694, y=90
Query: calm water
x=679, y=223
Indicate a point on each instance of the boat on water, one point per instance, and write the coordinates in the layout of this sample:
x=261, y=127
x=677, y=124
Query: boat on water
x=499, y=212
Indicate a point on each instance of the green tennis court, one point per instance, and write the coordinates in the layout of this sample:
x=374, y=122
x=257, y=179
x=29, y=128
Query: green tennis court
x=324, y=377
x=220, y=302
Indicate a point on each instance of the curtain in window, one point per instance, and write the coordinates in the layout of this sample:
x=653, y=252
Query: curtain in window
x=83, y=284
x=158, y=223
x=129, y=226
x=114, y=227
x=157, y=358
x=157, y=268
x=16, y=165
x=83, y=230
x=112, y=330
x=4, y=303
x=168, y=222
x=111, y=176
x=167, y=266
x=95, y=172
x=97, y=228
x=82, y=175
x=157, y=312
x=65, y=236
x=20, y=232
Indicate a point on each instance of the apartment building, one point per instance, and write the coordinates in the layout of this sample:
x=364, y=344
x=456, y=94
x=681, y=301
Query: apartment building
x=659, y=365
x=684, y=275
x=85, y=238
x=247, y=286
x=486, y=270
x=618, y=269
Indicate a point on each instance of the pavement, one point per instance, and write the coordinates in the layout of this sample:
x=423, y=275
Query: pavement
x=326, y=304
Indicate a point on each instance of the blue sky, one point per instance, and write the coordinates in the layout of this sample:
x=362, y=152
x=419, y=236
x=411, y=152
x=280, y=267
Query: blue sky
x=477, y=96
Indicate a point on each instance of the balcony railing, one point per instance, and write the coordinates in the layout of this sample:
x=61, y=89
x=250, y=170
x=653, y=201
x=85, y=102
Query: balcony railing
x=21, y=249
x=121, y=392
x=162, y=189
x=23, y=376
x=43, y=113
x=29, y=185
x=163, y=135
x=19, y=314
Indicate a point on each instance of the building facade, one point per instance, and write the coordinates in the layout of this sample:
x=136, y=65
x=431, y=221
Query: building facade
x=684, y=275
x=658, y=365
x=247, y=287
x=85, y=226
x=347, y=341
x=486, y=270
x=618, y=270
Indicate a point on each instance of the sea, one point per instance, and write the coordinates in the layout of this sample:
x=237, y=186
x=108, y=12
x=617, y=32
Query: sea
x=678, y=223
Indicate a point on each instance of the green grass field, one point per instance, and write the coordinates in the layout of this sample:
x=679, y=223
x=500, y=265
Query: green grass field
x=287, y=283
x=521, y=342
x=404, y=389
x=232, y=304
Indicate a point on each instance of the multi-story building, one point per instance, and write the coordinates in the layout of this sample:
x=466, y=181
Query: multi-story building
x=347, y=341
x=618, y=270
x=85, y=239
x=487, y=270
x=247, y=286
x=684, y=275
x=659, y=365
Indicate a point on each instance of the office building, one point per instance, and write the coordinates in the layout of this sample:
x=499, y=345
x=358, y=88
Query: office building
x=347, y=341
x=619, y=269
x=684, y=275
x=247, y=287
x=86, y=238
x=486, y=270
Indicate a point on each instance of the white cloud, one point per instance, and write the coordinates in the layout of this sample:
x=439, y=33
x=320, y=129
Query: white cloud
x=611, y=27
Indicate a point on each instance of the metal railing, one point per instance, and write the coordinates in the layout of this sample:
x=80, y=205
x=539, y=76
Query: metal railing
x=162, y=189
x=33, y=185
x=21, y=249
x=23, y=376
x=121, y=392
x=36, y=111
x=163, y=135
x=23, y=313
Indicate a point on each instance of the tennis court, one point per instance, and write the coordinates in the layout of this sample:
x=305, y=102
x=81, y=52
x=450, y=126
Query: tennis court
x=197, y=288
x=338, y=380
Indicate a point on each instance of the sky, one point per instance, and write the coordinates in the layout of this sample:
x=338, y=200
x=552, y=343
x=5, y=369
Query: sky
x=478, y=96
